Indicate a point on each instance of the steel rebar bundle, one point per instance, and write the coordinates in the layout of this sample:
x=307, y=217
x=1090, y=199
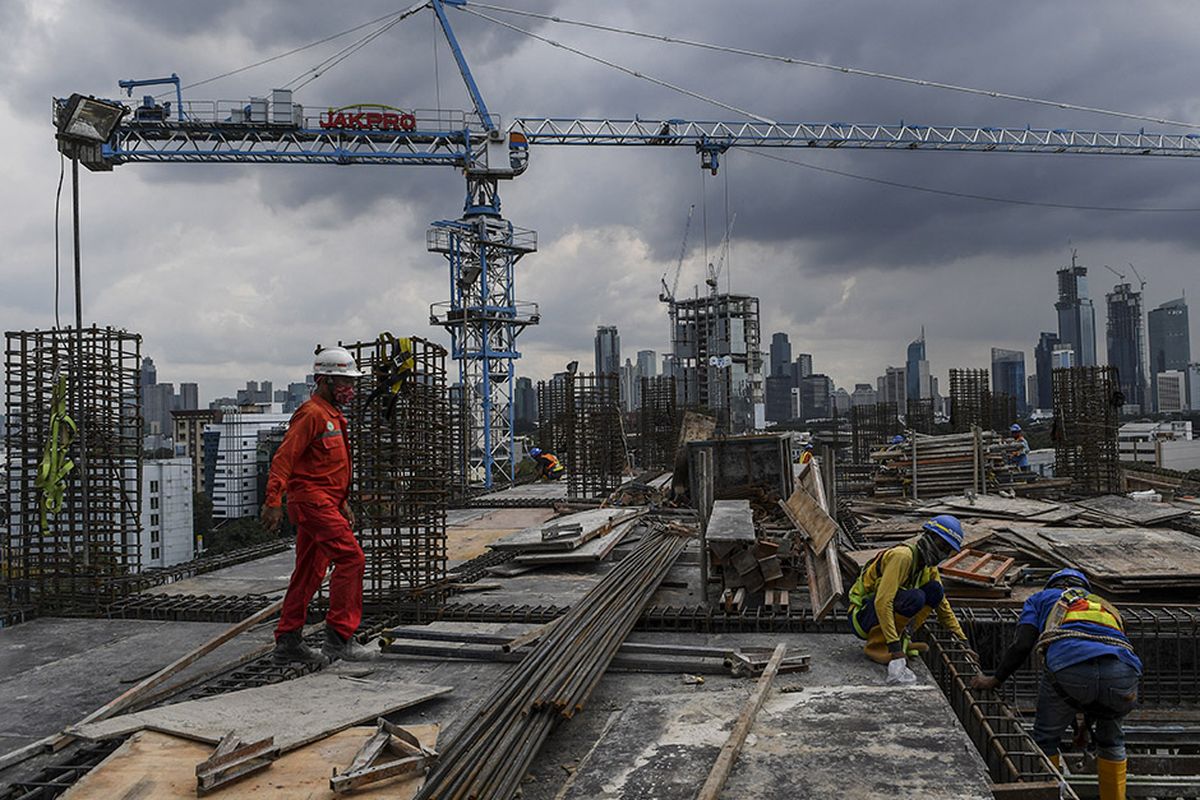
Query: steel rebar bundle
x=492, y=752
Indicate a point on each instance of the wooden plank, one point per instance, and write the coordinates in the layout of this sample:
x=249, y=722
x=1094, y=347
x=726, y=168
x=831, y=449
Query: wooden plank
x=1135, y=512
x=160, y=766
x=731, y=521
x=733, y=745
x=810, y=519
x=295, y=712
x=596, y=550
x=825, y=588
x=986, y=504
x=594, y=523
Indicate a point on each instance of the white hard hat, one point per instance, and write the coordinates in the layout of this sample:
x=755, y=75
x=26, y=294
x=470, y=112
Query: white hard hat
x=336, y=361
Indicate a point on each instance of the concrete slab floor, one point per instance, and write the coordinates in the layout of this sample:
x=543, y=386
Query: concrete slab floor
x=267, y=575
x=651, y=735
x=54, y=671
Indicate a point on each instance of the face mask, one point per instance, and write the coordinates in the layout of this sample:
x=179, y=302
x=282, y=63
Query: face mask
x=343, y=395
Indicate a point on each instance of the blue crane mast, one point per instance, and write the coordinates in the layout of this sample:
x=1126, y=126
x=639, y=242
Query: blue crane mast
x=482, y=314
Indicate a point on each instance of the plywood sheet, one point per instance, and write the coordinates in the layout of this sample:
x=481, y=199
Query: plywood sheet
x=158, y=766
x=295, y=712
x=985, y=504
x=810, y=518
x=589, y=521
x=1135, y=512
x=597, y=549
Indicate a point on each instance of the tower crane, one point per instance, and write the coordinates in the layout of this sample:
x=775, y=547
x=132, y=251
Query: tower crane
x=714, y=273
x=667, y=295
x=482, y=314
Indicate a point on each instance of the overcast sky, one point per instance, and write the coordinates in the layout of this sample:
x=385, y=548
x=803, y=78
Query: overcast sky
x=235, y=272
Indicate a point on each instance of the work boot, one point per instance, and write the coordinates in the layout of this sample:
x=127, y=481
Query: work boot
x=876, y=648
x=289, y=647
x=1056, y=760
x=912, y=648
x=1112, y=778
x=336, y=648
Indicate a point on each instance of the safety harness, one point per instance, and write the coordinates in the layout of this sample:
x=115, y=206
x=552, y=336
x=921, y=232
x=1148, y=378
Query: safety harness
x=860, y=596
x=393, y=373
x=1078, y=605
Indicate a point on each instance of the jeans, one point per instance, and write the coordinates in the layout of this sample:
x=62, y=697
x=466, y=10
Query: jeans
x=908, y=603
x=1105, y=681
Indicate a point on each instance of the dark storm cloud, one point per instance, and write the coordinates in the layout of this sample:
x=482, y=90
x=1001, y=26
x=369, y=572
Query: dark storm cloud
x=252, y=249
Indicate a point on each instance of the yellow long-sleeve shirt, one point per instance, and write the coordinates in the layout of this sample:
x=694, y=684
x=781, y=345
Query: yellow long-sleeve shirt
x=892, y=572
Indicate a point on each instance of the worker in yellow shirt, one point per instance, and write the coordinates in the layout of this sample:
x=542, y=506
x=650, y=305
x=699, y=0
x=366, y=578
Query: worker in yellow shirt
x=897, y=589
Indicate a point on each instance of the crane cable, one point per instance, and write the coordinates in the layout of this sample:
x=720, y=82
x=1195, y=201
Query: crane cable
x=844, y=69
x=612, y=64
x=284, y=54
x=329, y=63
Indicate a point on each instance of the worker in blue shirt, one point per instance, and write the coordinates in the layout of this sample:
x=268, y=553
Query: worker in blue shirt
x=1020, y=450
x=1090, y=668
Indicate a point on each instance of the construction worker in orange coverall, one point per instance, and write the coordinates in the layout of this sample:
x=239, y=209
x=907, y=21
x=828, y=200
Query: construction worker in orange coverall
x=312, y=467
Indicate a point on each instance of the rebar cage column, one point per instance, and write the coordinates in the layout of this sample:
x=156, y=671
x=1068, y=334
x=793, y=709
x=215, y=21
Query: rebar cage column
x=595, y=443
x=658, y=423
x=1086, y=418
x=970, y=399
x=80, y=560
x=402, y=466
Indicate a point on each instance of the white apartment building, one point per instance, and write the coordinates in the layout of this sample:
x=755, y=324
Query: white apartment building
x=167, y=535
x=235, y=487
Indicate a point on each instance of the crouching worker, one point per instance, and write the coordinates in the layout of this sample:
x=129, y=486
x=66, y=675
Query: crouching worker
x=549, y=467
x=1090, y=668
x=897, y=589
x=312, y=467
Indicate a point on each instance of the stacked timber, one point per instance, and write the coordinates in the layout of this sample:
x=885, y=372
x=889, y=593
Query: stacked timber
x=932, y=466
x=747, y=563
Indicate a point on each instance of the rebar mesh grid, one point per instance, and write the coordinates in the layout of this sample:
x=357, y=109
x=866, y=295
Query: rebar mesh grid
x=402, y=464
x=919, y=415
x=88, y=550
x=1004, y=411
x=595, y=442
x=1086, y=409
x=872, y=425
x=970, y=399
x=556, y=412
x=658, y=423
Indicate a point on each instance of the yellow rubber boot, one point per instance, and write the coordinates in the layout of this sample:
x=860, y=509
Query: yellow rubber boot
x=1112, y=779
x=876, y=648
x=1055, y=760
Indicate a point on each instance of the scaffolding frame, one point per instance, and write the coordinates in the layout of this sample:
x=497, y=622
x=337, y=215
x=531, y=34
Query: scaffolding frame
x=1086, y=422
x=712, y=336
x=91, y=548
x=402, y=471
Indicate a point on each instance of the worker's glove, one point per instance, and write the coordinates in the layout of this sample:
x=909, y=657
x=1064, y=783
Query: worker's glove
x=899, y=673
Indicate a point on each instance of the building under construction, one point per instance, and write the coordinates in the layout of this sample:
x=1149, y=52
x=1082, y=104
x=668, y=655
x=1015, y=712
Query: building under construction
x=717, y=358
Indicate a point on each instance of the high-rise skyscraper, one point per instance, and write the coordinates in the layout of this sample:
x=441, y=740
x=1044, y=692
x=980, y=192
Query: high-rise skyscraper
x=1126, y=340
x=608, y=350
x=916, y=370
x=1043, y=362
x=1170, y=343
x=1008, y=375
x=1076, y=315
x=647, y=364
x=891, y=387
x=525, y=413
x=802, y=367
x=781, y=354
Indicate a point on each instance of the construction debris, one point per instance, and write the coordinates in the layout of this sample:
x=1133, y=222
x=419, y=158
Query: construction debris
x=933, y=466
x=233, y=760
x=367, y=768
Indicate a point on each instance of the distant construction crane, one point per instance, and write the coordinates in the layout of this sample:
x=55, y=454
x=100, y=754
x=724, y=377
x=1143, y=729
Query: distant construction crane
x=482, y=314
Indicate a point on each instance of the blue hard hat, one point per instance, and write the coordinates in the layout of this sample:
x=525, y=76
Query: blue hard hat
x=1015, y=428
x=1069, y=577
x=897, y=439
x=535, y=451
x=948, y=528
